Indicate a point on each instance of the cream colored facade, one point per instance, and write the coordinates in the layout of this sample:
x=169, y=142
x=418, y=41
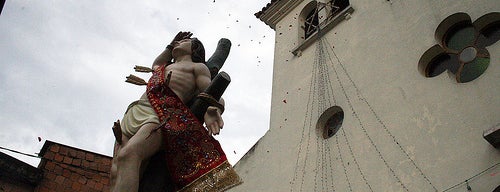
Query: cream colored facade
x=401, y=131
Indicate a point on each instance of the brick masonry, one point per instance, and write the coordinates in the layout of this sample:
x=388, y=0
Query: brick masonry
x=67, y=168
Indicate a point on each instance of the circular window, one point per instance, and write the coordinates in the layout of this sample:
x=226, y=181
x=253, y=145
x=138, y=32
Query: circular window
x=462, y=46
x=330, y=121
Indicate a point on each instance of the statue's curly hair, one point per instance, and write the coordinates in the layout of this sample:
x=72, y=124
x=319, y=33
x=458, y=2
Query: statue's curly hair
x=198, y=51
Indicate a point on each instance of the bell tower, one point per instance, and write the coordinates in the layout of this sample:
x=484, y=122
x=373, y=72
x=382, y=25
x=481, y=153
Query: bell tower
x=380, y=96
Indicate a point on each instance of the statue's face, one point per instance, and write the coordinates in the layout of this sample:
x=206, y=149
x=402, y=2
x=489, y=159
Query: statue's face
x=183, y=46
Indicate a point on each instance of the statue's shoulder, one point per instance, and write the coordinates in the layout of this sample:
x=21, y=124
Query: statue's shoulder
x=201, y=68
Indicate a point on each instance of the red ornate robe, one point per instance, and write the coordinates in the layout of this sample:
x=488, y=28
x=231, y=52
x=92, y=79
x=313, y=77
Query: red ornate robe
x=194, y=158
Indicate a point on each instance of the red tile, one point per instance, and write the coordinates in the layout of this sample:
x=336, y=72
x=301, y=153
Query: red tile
x=54, y=148
x=63, y=151
x=97, y=178
x=64, y=166
x=68, y=160
x=51, y=184
x=85, y=188
x=106, y=161
x=85, y=163
x=103, y=168
x=60, y=188
x=80, y=170
x=80, y=155
x=91, y=183
x=76, y=186
x=58, y=170
x=89, y=157
x=82, y=180
x=50, y=165
x=89, y=174
x=99, y=186
x=76, y=162
x=50, y=175
x=75, y=176
x=93, y=165
x=66, y=173
x=58, y=157
x=60, y=179
x=67, y=183
x=72, y=152
x=49, y=155
x=105, y=180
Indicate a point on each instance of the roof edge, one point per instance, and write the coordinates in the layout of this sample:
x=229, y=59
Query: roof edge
x=48, y=143
x=273, y=12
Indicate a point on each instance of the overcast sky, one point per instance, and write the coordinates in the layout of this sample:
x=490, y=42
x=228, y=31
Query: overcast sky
x=64, y=63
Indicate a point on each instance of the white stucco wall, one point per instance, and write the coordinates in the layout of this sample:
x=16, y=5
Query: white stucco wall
x=437, y=121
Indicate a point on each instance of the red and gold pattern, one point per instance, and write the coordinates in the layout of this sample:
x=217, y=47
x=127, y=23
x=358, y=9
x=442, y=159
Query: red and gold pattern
x=192, y=154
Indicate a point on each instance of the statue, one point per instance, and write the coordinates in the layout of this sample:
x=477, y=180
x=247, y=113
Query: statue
x=160, y=122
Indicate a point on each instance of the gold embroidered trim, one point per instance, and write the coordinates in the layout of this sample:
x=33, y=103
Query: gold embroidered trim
x=221, y=178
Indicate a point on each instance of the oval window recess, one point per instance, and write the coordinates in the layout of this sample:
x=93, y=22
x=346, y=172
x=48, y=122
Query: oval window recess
x=330, y=121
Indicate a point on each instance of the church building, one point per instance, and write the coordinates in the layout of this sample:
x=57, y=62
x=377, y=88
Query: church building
x=381, y=95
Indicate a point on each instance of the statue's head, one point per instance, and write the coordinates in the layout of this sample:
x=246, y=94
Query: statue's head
x=198, y=51
x=192, y=47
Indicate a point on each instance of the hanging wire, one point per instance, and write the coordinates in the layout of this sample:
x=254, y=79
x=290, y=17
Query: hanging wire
x=342, y=162
x=360, y=97
x=470, y=178
x=345, y=135
x=325, y=64
x=318, y=97
x=320, y=93
x=306, y=134
x=18, y=152
x=320, y=100
x=359, y=120
x=330, y=167
x=325, y=96
x=314, y=99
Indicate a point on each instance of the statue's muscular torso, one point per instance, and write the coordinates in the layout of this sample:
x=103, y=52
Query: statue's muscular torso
x=187, y=80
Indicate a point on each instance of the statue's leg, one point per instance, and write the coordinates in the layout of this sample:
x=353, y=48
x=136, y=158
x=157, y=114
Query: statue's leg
x=132, y=154
x=114, y=162
x=112, y=178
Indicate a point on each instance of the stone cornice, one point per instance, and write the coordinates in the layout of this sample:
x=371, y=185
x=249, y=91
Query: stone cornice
x=275, y=11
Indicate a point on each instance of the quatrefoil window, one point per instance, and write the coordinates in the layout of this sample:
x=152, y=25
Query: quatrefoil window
x=462, y=46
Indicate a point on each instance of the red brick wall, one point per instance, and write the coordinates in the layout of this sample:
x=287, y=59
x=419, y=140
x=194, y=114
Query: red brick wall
x=70, y=169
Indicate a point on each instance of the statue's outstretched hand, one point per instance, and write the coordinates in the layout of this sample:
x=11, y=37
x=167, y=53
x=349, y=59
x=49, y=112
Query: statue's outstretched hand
x=180, y=36
x=213, y=120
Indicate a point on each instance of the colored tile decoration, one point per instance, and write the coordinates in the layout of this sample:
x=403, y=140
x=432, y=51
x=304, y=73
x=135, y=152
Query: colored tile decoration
x=462, y=46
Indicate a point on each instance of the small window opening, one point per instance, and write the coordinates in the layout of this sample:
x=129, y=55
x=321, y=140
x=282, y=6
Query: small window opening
x=311, y=23
x=330, y=121
x=338, y=6
x=319, y=15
